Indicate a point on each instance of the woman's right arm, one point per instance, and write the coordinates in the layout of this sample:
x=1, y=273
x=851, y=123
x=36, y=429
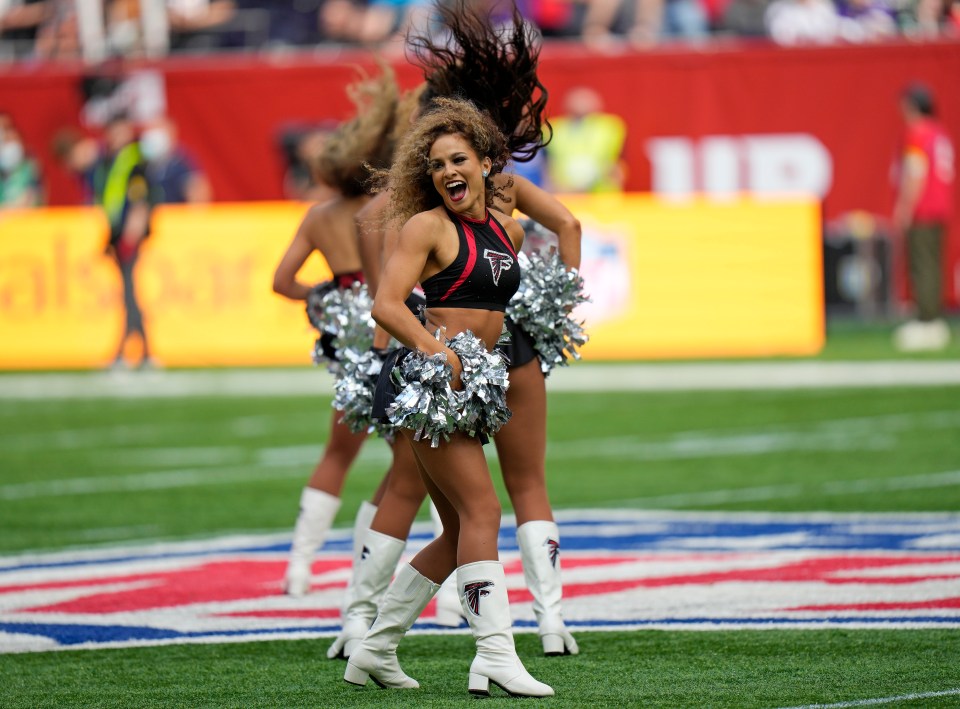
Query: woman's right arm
x=400, y=275
x=416, y=242
x=285, y=277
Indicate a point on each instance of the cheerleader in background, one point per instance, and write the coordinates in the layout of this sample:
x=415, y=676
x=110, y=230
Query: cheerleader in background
x=515, y=99
x=329, y=228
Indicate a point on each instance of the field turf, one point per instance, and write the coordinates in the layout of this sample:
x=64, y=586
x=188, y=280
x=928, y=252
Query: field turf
x=81, y=473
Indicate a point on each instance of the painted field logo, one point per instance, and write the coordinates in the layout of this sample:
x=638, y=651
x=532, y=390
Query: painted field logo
x=621, y=570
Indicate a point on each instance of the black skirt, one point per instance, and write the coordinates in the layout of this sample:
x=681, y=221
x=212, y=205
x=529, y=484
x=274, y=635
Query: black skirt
x=520, y=349
x=386, y=390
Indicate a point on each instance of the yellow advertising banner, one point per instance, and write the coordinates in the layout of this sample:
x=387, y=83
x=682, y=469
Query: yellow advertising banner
x=700, y=278
x=204, y=280
x=666, y=279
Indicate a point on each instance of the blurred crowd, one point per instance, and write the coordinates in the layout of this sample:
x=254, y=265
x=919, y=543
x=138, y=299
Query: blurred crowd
x=98, y=29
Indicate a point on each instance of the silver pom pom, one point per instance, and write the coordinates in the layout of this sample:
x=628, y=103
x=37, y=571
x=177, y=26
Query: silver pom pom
x=353, y=390
x=429, y=406
x=483, y=399
x=543, y=307
x=426, y=404
x=342, y=314
x=315, y=303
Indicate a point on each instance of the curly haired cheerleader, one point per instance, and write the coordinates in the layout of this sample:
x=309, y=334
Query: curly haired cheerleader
x=466, y=260
x=485, y=64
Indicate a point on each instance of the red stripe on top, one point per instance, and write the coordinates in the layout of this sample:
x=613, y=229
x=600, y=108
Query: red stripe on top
x=471, y=260
x=345, y=280
x=503, y=237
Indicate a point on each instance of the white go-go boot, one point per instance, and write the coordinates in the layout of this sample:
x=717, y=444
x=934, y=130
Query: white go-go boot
x=539, y=543
x=376, y=656
x=317, y=510
x=483, y=595
x=377, y=561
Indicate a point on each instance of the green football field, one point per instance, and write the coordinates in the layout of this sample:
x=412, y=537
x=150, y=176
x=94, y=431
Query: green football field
x=88, y=472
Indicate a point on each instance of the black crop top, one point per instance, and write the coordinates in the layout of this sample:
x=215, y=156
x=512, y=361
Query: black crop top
x=484, y=275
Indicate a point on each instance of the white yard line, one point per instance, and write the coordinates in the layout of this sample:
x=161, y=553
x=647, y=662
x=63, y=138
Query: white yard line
x=154, y=480
x=882, y=700
x=272, y=463
x=949, y=478
x=579, y=377
x=861, y=433
x=126, y=435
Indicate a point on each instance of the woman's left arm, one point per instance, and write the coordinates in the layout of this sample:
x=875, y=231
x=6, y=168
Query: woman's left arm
x=543, y=207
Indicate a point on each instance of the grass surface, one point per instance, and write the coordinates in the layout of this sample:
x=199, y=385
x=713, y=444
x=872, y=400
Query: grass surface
x=88, y=471
x=637, y=669
x=81, y=473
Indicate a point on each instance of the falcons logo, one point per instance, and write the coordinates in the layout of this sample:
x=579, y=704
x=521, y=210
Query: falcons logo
x=472, y=592
x=499, y=262
x=553, y=551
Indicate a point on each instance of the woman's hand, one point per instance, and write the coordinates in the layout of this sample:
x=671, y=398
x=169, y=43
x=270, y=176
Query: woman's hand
x=456, y=383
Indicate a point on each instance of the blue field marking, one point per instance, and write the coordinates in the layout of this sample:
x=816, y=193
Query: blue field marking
x=619, y=530
x=66, y=635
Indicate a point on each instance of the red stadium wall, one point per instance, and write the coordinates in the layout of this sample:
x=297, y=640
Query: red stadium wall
x=230, y=111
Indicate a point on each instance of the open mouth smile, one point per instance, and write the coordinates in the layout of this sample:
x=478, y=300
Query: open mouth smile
x=456, y=189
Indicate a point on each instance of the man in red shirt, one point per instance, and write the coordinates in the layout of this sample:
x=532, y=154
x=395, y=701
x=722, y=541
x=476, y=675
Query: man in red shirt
x=922, y=213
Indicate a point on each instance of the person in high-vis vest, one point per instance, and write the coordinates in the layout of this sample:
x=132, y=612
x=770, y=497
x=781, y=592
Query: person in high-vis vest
x=119, y=185
x=585, y=154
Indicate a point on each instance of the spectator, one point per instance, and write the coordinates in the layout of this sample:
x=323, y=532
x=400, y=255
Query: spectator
x=20, y=21
x=745, y=18
x=930, y=17
x=684, y=20
x=58, y=37
x=173, y=175
x=383, y=20
x=952, y=22
x=922, y=213
x=117, y=182
x=866, y=20
x=340, y=20
x=600, y=23
x=198, y=24
x=797, y=22
x=585, y=154
x=19, y=174
x=122, y=27
x=554, y=18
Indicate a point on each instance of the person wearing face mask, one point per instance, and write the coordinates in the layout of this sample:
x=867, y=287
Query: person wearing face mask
x=117, y=183
x=171, y=171
x=19, y=175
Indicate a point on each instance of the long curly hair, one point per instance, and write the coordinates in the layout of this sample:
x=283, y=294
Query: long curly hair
x=496, y=68
x=411, y=184
x=364, y=140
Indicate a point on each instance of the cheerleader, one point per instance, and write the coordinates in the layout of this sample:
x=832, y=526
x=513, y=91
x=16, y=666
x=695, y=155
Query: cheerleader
x=465, y=258
x=464, y=67
x=329, y=229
